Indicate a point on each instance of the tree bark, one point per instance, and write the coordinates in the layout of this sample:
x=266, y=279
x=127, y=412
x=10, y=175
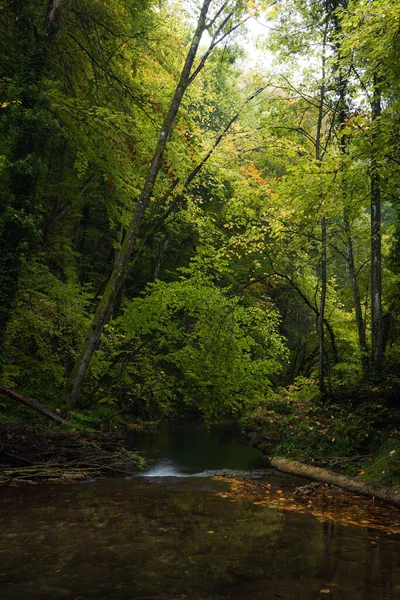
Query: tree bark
x=356, y=295
x=343, y=116
x=348, y=483
x=376, y=245
x=318, y=157
x=34, y=405
x=321, y=330
x=121, y=264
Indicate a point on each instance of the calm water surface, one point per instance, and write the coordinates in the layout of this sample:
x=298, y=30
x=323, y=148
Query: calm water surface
x=166, y=536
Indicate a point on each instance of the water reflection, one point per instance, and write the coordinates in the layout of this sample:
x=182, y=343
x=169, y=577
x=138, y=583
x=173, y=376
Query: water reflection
x=143, y=540
x=192, y=448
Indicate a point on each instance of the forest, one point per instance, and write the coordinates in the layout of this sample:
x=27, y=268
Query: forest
x=200, y=218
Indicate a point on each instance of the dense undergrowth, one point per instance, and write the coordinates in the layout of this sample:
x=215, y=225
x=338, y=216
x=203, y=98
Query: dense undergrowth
x=355, y=431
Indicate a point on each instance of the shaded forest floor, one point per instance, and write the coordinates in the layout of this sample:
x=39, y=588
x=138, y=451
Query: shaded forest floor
x=29, y=455
x=355, y=432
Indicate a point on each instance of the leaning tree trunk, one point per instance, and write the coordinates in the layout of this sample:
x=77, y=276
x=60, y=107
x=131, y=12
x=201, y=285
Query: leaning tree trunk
x=121, y=264
x=34, y=405
x=376, y=244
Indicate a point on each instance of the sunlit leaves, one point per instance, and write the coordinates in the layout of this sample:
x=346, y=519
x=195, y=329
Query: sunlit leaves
x=219, y=354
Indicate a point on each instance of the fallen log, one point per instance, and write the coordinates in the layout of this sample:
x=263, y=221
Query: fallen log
x=293, y=467
x=34, y=405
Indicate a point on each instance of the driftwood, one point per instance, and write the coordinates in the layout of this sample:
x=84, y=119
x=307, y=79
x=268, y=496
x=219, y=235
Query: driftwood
x=51, y=473
x=30, y=455
x=28, y=402
x=316, y=473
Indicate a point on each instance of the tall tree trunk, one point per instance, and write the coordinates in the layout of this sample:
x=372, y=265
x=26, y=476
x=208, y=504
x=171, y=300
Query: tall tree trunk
x=318, y=157
x=362, y=344
x=121, y=264
x=321, y=329
x=376, y=249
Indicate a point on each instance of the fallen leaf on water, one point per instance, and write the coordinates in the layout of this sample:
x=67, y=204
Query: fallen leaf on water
x=324, y=591
x=327, y=503
x=211, y=531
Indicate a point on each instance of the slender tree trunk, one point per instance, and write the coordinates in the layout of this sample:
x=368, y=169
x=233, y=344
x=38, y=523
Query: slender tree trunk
x=312, y=307
x=356, y=294
x=121, y=264
x=376, y=250
x=320, y=322
x=161, y=247
x=318, y=156
x=343, y=116
x=34, y=405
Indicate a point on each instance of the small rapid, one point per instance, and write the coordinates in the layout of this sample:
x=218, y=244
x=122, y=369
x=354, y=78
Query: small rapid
x=190, y=449
x=167, y=468
x=164, y=468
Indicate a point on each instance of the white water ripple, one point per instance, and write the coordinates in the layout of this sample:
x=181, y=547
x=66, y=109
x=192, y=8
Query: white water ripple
x=166, y=468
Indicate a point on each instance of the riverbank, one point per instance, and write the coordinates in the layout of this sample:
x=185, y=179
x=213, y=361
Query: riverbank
x=34, y=454
x=354, y=432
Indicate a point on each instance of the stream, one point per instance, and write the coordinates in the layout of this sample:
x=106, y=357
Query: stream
x=165, y=535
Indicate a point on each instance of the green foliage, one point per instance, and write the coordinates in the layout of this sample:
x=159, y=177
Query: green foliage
x=81, y=113
x=44, y=333
x=187, y=343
